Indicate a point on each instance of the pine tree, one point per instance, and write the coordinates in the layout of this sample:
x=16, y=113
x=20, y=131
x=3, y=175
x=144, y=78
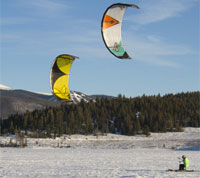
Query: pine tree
x=88, y=122
x=12, y=130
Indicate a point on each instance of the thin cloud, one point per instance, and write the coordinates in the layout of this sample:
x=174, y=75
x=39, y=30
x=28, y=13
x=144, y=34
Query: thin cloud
x=155, y=11
x=48, y=5
x=154, y=50
x=16, y=20
x=7, y=37
x=36, y=10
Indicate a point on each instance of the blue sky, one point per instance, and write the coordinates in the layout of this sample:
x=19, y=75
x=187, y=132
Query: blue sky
x=162, y=37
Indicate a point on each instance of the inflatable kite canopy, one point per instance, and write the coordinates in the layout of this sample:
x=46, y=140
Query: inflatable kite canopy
x=111, y=29
x=59, y=76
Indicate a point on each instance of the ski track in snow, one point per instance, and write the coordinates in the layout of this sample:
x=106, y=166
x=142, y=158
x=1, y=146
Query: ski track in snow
x=105, y=156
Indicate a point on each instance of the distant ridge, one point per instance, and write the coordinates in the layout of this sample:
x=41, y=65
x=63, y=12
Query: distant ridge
x=19, y=101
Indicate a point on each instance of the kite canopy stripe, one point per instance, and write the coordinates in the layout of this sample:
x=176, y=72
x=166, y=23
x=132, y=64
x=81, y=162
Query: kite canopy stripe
x=59, y=76
x=111, y=29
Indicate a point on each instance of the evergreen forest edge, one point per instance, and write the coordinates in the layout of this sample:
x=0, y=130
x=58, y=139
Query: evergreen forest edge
x=119, y=115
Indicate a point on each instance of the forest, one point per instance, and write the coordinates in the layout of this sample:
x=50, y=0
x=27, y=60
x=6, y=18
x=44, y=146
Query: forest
x=119, y=115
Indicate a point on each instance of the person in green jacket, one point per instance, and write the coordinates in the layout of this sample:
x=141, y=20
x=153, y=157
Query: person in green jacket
x=185, y=161
x=185, y=164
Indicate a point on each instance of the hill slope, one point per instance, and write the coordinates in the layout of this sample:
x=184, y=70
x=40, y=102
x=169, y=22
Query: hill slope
x=19, y=101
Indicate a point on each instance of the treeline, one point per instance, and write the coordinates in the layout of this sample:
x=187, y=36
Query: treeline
x=127, y=116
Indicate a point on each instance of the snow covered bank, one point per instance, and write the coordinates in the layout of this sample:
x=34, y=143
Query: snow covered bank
x=171, y=140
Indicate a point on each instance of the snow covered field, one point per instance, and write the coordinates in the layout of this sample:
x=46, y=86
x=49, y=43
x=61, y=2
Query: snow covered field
x=108, y=156
x=88, y=162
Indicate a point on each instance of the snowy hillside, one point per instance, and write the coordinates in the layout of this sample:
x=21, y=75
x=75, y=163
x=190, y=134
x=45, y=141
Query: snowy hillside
x=3, y=87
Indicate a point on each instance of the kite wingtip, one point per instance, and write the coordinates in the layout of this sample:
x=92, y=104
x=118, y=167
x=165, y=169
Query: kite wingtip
x=135, y=6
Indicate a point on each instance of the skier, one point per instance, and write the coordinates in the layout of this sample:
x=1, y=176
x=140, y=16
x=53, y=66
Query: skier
x=185, y=164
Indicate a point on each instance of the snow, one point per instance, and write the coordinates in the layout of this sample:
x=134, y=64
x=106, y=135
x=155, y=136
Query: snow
x=88, y=162
x=3, y=87
x=77, y=97
x=42, y=93
x=103, y=156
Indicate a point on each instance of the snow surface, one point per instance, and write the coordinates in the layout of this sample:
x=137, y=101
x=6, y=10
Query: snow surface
x=3, y=87
x=48, y=94
x=77, y=96
x=103, y=156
